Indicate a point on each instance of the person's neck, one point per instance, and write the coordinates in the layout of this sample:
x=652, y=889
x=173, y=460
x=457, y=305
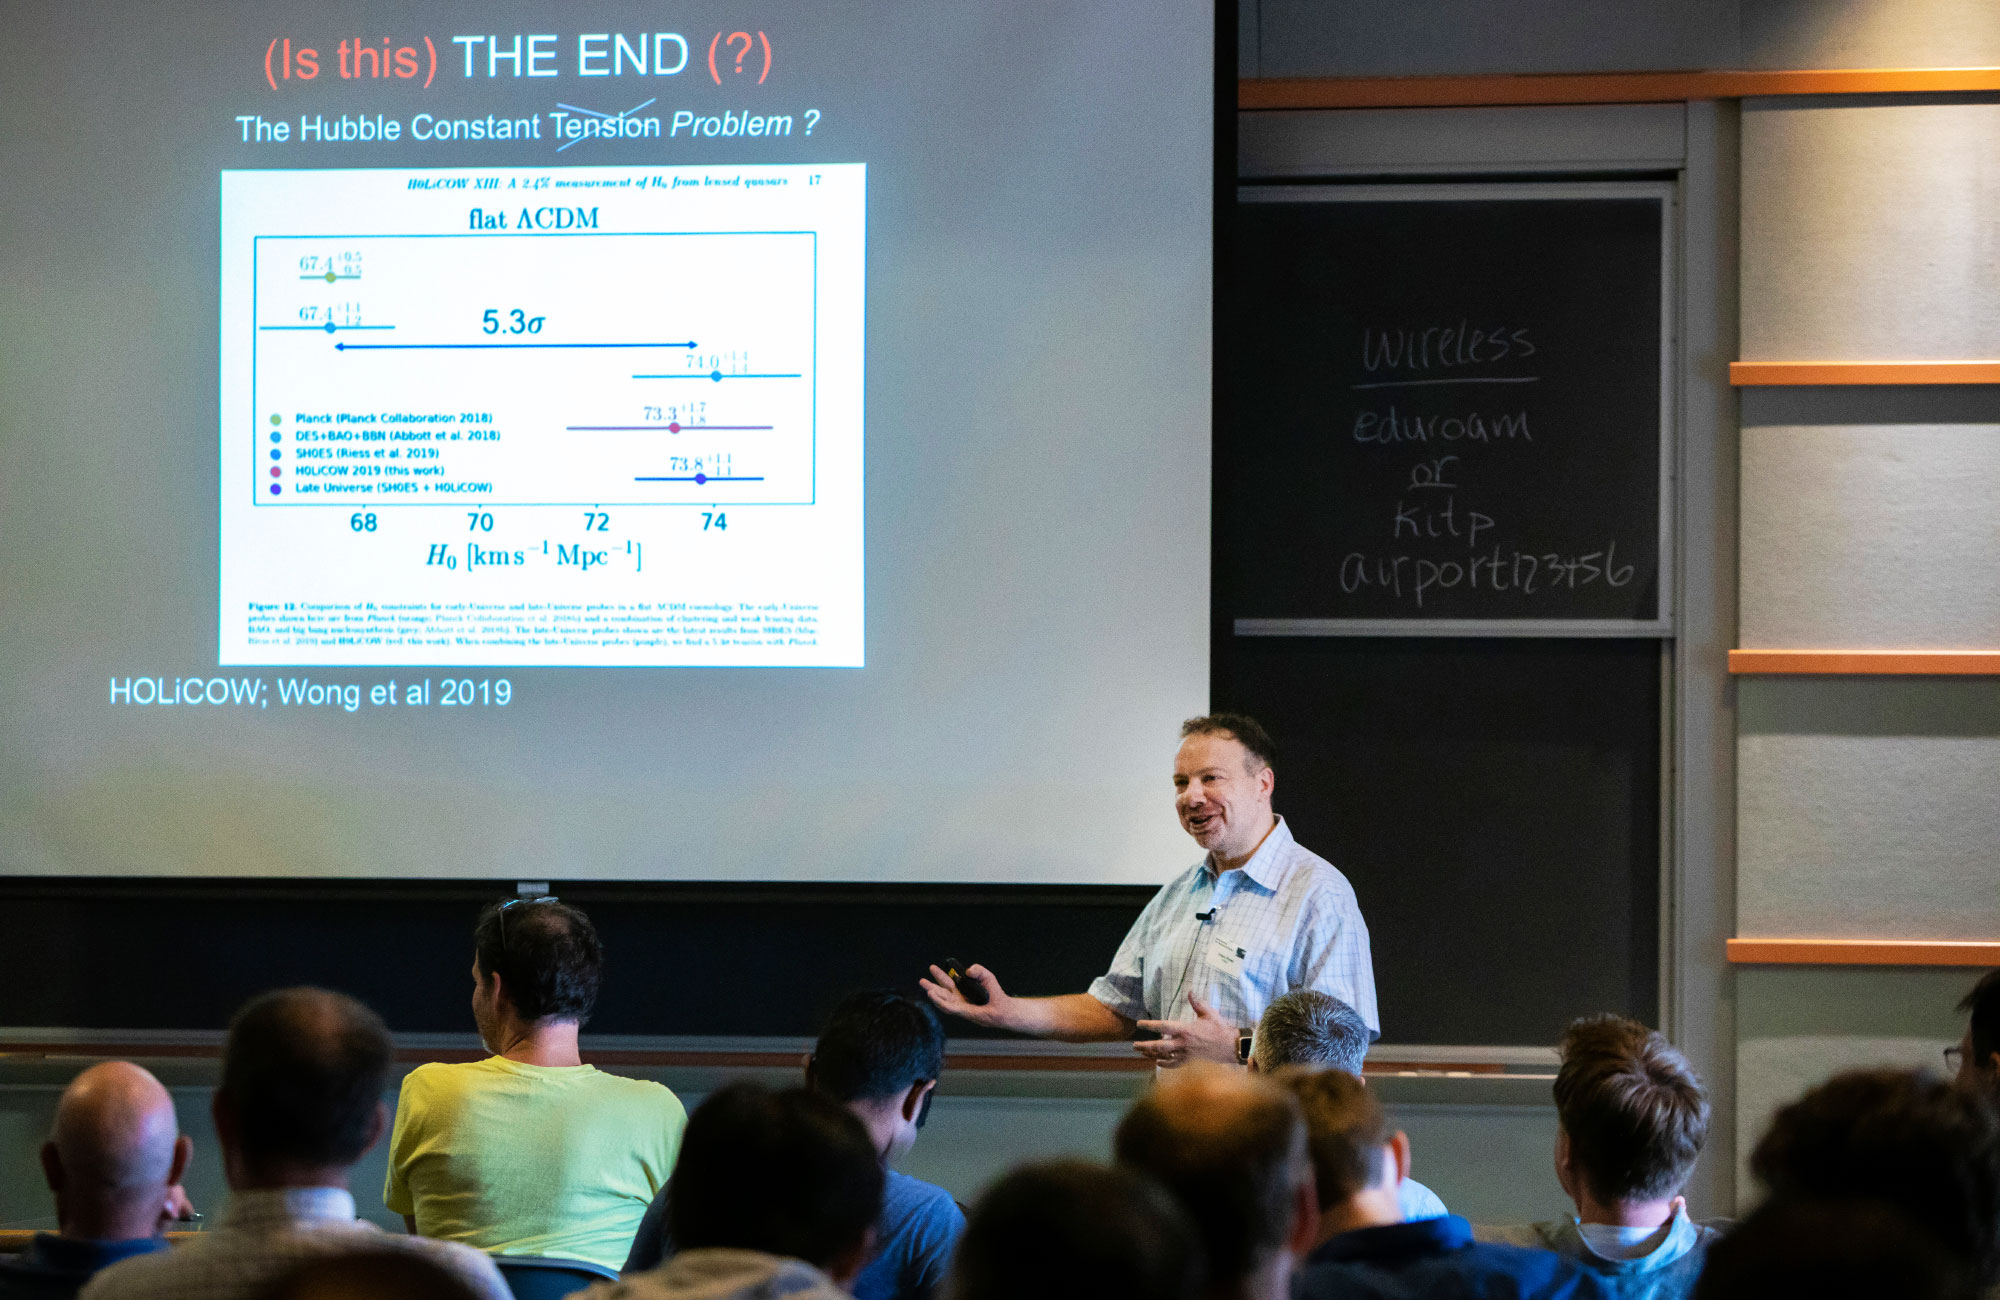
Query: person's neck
x=1626, y=1214
x=1371, y=1207
x=281, y=1176
x=881, y=1121
x=127, y=1219
x=542, y=1042
x=1228, y=862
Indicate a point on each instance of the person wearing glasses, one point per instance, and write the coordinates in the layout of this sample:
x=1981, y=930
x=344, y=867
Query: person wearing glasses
x=1976, y=1059
x=879, y=1058
x=530, y=1151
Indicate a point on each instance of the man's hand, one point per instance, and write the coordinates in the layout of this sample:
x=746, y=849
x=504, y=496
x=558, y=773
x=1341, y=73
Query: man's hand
x=176, y=1208
x=944, y=994
x=1208, y=1037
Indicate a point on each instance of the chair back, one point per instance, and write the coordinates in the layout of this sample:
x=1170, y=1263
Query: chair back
x=544, y=1277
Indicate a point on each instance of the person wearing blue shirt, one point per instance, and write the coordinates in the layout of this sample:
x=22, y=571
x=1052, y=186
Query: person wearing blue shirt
x=1367, y=1251
x=114, y=1160
x=880, y=1057
x=1631, y=1117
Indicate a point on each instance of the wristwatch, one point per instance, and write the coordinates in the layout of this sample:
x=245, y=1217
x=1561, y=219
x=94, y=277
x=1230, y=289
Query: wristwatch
x=1243, y=1042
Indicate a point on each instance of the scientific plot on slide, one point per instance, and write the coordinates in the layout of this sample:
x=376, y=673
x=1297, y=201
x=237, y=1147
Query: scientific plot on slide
x=519, y=416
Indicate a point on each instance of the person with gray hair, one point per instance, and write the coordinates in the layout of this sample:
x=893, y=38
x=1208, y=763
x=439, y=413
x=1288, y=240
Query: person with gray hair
x=114, y=1160
x=1308, y=1029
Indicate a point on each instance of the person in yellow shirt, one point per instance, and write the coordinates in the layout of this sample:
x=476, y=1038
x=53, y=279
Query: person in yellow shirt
x=530, y=1151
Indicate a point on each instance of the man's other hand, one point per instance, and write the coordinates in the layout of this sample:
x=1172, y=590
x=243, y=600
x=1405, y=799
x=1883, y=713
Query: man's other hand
x=1208, y=1037
x=945, y=996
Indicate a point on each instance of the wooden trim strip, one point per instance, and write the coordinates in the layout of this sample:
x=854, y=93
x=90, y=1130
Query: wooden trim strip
x=1267, y=93
x=1901, y=663
x=1760, y=374
x=1865, y=952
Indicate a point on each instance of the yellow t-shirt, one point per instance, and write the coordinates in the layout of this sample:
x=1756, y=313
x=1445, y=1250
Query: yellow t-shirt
x=531, y=1159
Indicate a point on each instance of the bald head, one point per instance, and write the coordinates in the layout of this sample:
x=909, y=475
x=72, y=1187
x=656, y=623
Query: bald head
x=114, y=1152
x=1232, y=1148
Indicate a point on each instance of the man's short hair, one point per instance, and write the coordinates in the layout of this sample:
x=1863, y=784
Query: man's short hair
x=1831, y=1250
x=1069, y=1230
x=1241, y=728
x=1635, y=1111
x=1984, y=1005
x=1235, y=1167
x=1308, y=1027
x=877, y=1045
x=1346, y=1131
x=787, y=1173
x=303, y=1072
x=546, y=954
x=1904, y=1137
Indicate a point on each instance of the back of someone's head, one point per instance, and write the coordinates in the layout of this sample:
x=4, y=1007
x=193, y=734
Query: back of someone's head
x=1831, y=1250
x=302, y=1076
x=1903, y=1137
x=787, y=1173
x=1982, y=1035
x=370, y=1274
x=1075, y=1231
x=1347, y=1132
x=546, y=954
x=877, y=1045
x=113, y=1150
x=1308, y=1027
x=1634, y=1110
x=1231, y=1148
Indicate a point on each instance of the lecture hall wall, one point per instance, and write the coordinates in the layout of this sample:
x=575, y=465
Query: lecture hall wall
x=1866, y=807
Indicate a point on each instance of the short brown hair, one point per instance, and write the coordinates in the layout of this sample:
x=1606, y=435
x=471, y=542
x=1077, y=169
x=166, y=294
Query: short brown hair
x=1239, y=727
x=1346, y=1130
x=1634, y=1110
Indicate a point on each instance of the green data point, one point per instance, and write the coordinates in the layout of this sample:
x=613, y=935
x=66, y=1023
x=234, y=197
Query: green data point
x=330, y=277
x=274, y=419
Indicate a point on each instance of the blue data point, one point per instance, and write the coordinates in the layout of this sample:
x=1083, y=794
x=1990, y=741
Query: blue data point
x=329, y=327
x=716, y=376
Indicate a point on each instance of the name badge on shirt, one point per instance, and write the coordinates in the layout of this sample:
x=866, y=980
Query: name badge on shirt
x=1225, y=957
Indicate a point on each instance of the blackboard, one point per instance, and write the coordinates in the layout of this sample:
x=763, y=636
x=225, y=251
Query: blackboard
x=680, y=959
x=1496, y=804
x=1444, y=408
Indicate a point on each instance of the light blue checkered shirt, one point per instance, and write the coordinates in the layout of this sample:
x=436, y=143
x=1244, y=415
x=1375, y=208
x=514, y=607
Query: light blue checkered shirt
x=1290, y=912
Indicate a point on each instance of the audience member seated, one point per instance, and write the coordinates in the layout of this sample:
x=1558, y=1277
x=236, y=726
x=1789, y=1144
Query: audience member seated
x=300, y=1102
x=114, y=1160
x=1366, y=1250
x=370, y=1275
x=776, y=1194
x=1631, y=1118
x=1317, y=1030
x=1978, y=1053
x=1831, y=1250
x=880, y=1057
x=1231, y=1148
x=530, y=1151
x=1903, y=1137
x=1075, y=1231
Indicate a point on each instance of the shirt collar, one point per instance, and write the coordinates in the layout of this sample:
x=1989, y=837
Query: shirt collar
x=1680, y=1235
x=1268, y=866
x=281, y=1206
x=1397, y=1242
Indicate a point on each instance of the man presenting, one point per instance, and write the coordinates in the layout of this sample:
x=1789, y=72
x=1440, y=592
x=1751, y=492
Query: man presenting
x=1258, y=917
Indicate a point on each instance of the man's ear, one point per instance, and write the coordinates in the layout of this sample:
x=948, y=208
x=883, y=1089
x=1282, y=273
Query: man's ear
x=223, y=1112
x=1305, y=1216
x=52, y=1169
x=913, y=1100
x=1993, y=1063
x=1565, y=1170
x=183, y=1153
x=1399, y=1156
x=378, y=1124
x=846, y=1266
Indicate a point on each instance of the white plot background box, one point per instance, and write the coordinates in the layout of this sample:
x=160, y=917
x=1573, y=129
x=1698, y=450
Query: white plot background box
x=511, y=416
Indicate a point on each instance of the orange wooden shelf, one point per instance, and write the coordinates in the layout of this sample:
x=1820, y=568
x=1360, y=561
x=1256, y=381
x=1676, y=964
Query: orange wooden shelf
x=1760, y=374
x=1601, y=87
x=1888, y=663
x=1865, y=952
